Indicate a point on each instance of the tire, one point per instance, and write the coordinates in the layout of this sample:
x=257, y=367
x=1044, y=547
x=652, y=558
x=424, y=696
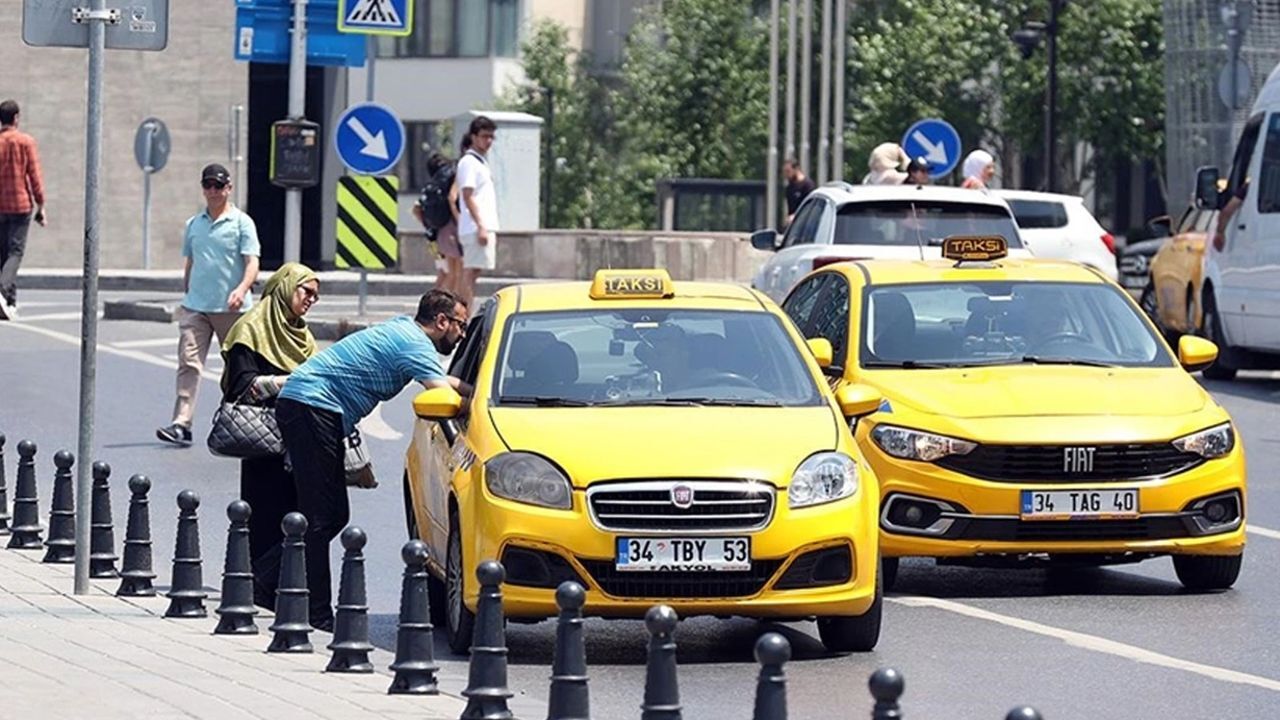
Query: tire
x=410, y=519
x=1221, y=369
x=460, y=623
x=1207, y=572
x=858, y=633
x=1147, y=301
x=888, y=573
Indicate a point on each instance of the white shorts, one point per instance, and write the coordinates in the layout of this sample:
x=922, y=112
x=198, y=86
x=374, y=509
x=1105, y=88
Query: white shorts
x=476, y=256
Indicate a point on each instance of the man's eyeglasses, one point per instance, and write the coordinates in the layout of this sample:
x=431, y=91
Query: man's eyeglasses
x=462, y=322
x=212, y=185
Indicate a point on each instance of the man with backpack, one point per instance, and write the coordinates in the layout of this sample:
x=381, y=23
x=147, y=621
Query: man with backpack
x=437, y=210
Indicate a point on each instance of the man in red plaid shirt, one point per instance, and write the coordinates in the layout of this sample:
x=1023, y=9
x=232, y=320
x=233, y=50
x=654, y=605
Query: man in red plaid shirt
x=21, y=195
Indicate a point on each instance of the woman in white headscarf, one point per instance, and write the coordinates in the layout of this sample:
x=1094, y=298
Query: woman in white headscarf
x=886, y=164
x=979, y=168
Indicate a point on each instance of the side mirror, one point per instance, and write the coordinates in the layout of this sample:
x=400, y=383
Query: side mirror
x=1160, y=226
x=822, y=352
x=765, y=240
x=437, y=404
x=1207, y=188
x=856, y=400
x=1196, y=353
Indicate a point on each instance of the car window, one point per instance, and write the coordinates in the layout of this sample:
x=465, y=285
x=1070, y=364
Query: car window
x=831, y=317
x=1038, y=214
x=800, y=304
x=908, y=222
x=1003, y=323
x=466, y=357
x=1244, y=153
x=1189, y=220
x=1269, y=175
x=805, y=225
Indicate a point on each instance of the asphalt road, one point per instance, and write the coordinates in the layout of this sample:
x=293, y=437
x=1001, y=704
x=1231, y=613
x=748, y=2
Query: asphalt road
x=1124, y=642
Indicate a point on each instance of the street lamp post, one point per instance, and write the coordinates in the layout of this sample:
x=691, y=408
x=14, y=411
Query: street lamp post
x=1028, y=39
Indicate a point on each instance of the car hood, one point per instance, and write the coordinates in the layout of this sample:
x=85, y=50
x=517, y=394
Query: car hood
x=1042, y=390
x=598, y=443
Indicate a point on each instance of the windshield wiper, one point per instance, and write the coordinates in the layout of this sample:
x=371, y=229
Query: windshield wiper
x=721, y=402
x=542, y=401
x=1047, y=360
x=908, y=365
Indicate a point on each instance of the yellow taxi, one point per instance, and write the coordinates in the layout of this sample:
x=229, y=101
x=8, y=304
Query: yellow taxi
x=1172, y=295
x=655, y=442
x=1031, y=414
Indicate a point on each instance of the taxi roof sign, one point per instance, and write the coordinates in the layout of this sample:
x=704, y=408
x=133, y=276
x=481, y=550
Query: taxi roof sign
x=651, y=283
x=974, y=247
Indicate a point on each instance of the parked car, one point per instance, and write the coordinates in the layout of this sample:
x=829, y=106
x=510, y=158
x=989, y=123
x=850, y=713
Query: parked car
x=1172, y=293
x=839, y=221
x=1060, y=227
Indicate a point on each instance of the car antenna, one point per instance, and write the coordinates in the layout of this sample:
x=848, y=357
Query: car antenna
x=919, y=235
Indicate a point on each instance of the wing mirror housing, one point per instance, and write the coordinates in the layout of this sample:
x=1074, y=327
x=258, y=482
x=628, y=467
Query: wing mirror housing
x=440, y=403
x=1196, y=353
x=822, y=351
x=1207, y=195
x=765, y=240
x=856, y=400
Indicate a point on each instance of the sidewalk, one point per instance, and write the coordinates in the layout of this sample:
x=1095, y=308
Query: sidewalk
x=107, y=658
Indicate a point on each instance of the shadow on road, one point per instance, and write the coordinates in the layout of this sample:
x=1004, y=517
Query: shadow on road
x=921, y=577
x=1247, y=386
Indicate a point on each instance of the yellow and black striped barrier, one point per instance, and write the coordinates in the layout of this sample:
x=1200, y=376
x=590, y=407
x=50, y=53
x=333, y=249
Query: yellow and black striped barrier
x=367, y=216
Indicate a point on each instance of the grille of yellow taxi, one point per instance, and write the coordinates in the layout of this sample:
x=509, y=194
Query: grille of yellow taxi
x=686, y=505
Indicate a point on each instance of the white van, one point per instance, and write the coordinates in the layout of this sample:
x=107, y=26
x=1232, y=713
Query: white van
x=1240, y=294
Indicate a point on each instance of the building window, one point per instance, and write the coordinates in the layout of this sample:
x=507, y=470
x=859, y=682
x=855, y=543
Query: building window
x=458, y=28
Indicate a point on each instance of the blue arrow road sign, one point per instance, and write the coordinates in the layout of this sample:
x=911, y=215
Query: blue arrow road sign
x=937, y=142
x=375, y=17
x=369, y=138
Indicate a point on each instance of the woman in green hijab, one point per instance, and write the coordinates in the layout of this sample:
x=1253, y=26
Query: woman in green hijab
x=266, y=344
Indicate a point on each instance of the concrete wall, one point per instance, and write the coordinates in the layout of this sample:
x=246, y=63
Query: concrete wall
x=190, y=86
x=577, y=254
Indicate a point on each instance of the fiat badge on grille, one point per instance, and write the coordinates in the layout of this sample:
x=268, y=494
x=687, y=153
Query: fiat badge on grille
x=682, y=496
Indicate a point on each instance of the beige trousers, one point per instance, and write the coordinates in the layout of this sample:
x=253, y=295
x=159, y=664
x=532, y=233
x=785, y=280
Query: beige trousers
x=195, y=332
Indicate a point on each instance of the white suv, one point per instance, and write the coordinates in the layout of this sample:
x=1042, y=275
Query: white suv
x=839, y=221
x=1060, y=227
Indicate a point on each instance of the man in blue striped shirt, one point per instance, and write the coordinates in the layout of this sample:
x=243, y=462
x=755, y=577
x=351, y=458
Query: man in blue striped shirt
x=327, y=395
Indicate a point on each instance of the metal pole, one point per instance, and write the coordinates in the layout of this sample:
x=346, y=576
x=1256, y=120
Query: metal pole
x=370, y=58
x=146, y=196
x=1051, y=103
x=837, y=125
x=550, y=159
x=297, y=109
x=789, y=131
x=233, y=149
x=824, y=94
x=806, y=84
x=89, y=305
x=1231, y=19
x=771, y=159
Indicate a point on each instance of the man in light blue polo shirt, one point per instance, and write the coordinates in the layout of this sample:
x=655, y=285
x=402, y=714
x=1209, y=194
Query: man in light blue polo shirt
x=221, y=249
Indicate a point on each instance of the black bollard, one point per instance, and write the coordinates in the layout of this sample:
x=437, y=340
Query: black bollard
x=351, y=644
x=61, y=545
x=772, y=652
x=292, y=627
x=186, y=593
x=135, y=568
x=569, y=697
x=4, y=493
x=486, y=691
x=415, y=664
x=887, y=686
x=661, y=690
x=236, y=610
x=102, y=535
x=26, y=509
x=1024, y=713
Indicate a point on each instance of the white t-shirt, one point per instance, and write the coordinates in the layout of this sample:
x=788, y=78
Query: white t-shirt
x=473, y=172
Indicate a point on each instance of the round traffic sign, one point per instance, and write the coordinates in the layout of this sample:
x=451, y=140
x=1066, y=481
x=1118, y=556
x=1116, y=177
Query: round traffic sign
x=151, y=145
x=936, y=141
x=369, y=138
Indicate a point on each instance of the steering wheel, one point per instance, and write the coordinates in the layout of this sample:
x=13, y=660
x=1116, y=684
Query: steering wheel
x=727, y=378
x=1063, y=337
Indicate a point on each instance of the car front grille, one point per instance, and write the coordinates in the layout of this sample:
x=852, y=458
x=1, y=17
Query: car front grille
x=649, y=505
x=1050, y=464
x=681, y=584
x=1015, y=530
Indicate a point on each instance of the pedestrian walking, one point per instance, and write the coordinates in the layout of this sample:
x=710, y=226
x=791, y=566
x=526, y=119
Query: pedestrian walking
x=328, y=394
x=266, y=344
x=798, y=186
x=979, y=169
x=917, y=172
x=437, y=210
x=21, y=200
x=478, y=214
x=220, y=245
x=885, y=165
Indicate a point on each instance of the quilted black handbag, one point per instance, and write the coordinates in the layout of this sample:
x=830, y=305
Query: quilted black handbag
x=241, y=430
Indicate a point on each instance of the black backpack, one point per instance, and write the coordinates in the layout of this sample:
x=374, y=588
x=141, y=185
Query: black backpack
x=434, y=200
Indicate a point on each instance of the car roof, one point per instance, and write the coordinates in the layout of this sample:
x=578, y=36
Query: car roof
x=575, y=295
x=844, y=193
x=1037, y=195
x=892, y=272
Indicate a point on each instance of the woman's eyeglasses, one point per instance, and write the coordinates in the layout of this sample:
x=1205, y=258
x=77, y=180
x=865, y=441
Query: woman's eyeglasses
x=312, y=295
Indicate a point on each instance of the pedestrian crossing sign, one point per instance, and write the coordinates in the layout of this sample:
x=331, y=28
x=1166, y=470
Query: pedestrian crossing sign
x=376, y=17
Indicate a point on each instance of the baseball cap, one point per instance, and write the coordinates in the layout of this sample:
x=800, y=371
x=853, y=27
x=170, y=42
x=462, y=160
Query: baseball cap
x=215, y=171
x=917, y=164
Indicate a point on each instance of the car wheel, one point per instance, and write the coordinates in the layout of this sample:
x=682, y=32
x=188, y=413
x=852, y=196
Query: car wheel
x=888, y=573
x=859, y=633
x=1221, y=369
x=1207, y=572
x=460, y=622
x=410, y=519
x=1147, y=301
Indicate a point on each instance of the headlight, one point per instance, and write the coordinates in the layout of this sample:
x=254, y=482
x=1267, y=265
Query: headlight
x=528, y=478
x=1212, y=443
x=916, y=445
x=823, y=478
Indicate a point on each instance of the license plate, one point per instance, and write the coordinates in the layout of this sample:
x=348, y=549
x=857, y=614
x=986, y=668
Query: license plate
x=713, y=554
x=1083, y=504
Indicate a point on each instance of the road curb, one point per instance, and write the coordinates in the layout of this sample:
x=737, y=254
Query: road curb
x=332, y=282
x=167, y=312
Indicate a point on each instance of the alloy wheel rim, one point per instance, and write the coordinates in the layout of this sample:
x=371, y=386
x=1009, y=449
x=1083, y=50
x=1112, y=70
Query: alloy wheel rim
x=453, y=574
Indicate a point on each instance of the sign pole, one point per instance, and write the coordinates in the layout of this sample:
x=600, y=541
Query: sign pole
x=371, y=58
x=96, y=17
x=297, y=109
x=150, y=131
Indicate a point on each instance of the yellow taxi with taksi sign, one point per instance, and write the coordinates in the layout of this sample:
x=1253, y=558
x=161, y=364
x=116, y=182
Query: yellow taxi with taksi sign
x=655, y=442
x=1031, y=413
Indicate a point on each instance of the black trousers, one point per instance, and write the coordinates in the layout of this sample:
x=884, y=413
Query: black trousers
x=269, y=489
x=13, y=244
x=313, y=439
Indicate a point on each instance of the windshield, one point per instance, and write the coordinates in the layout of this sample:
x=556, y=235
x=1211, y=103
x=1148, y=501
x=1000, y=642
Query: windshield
x=646, y=356
x=906, y=222
x=998, y=323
